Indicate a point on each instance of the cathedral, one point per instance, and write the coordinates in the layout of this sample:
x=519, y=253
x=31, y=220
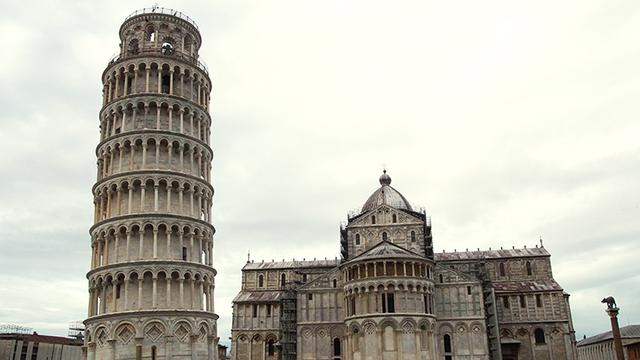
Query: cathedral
x=389, y=296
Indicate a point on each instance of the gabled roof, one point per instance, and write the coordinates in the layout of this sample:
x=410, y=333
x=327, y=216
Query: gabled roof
x=386, y=249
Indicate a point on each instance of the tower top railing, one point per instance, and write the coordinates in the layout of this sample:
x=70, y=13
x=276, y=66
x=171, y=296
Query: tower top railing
x=166, y=11
x=156, y=52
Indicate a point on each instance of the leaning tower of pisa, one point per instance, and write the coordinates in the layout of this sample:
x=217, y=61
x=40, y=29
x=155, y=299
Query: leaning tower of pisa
x=151, y=281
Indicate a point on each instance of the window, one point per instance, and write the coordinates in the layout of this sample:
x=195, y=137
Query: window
x=255, y=310
x=270, y=348
x=153, y=353
x=304, y=277
x=447, y=346
x=523, y=301
x=426, y=304
x=260, y=281
x=384, y=236
x=503, y=272
x=118, y=291
x=357, y=239
x=505, y=302
x=388, y=303
x=468, y=290
x=353, y=306
x=34, y=351
x=413, y=236
x=310, y=297
x=335, y=283
x=539, y=335
x=184, y=253
x=336, y=349
x=394, y=218
x=440, y=278
x=165, y=84
x=529, y=270
x=283, y=280
x=23, y=353
x=539, y=300
x=373, y=219
x=268, y=309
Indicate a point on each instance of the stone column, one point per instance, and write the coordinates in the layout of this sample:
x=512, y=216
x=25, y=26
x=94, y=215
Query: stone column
x=140, y=280
x=146, y=87
x=615, y=330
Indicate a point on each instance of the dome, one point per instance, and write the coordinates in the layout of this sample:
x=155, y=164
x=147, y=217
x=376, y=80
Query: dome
x=386, y=195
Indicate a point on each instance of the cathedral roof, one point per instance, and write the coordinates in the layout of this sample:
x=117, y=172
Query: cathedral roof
x=386, y=195
x=386, y=250
x=257, y=296
x=491, y=254
x=291, y=264
x=520, y=286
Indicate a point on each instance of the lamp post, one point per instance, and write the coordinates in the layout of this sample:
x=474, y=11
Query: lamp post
x=612, y=311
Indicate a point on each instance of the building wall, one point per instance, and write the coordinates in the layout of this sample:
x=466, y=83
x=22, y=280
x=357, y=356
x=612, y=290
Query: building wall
x=16, y=349
x=605, y=350
x=459, y=312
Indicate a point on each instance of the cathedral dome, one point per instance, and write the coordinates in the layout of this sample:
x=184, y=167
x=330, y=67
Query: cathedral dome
x=386, y=195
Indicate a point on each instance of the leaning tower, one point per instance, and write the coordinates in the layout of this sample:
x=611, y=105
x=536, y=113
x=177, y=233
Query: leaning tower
x=151, y=281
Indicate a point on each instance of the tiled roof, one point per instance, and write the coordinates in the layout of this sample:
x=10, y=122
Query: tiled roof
x=520, y=286
x=629, y=331
x=291, y=264
x=491, y=254
x=258, y=296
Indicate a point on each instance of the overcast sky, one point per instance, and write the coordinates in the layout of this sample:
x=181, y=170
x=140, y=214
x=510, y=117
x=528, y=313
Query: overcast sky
x=506, y=120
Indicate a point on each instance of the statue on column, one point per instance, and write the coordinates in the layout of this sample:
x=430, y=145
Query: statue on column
x=610, y=301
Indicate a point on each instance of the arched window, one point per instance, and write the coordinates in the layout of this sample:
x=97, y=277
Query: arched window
x=260, y=281
x=270, y=348
x=283, y=280
x=539, y=335
x=523, y=301
x=413, y=236
x=335, y=283
x=373, y=219
x=440, y=278
x=149, y=33
x=447, y=347
x=394, y=218
x=336, y=349
x=384, y=236
x=503, y=271
x=357, y=239
x=529, y=270
x=153, y=353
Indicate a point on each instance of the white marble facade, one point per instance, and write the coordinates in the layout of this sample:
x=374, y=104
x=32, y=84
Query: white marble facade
x=151, y=281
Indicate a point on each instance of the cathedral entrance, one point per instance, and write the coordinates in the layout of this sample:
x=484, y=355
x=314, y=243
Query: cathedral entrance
x=510, y=351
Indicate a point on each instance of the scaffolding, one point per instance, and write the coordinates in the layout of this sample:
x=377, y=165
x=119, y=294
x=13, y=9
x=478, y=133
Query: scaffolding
x=490, y=311
x=15, y=329
x=288, y=323
x=76, y=330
